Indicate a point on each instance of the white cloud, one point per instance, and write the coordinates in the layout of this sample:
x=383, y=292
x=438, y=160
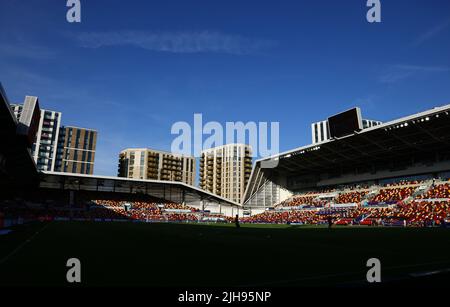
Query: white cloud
x=175, y=42
x=431, y=33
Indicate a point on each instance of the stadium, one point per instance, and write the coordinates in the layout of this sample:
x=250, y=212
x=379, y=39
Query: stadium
x=319, y=214
x=397, y=172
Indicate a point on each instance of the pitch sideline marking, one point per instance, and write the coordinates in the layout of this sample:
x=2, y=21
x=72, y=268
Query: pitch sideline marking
x=7, y=257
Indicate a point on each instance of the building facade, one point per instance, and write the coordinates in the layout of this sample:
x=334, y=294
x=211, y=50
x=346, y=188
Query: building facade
x=225, y=170
x=145, y=163
x=76, y=150
x=320, y=131
x=28, y=120
x=58, y=148
x=46, y=143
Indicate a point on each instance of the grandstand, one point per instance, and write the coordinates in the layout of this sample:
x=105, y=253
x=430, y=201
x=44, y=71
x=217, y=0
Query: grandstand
x=387, y=164
x=394, y=174
x=27, y=194
x=424, y=203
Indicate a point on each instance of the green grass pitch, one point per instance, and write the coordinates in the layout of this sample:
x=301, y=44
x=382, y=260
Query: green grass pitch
x=144, y=254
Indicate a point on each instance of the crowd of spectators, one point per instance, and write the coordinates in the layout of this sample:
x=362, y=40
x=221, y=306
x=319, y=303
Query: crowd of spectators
x=276, y=217
x=351, y=197
x=392, y=195
x=50, y=213
x=436, y=192
x=302, y=200
x=417, y=213
x=103, y=209
x=109, y=203
x=154, y=210
x=388, y=207
x=142, y=205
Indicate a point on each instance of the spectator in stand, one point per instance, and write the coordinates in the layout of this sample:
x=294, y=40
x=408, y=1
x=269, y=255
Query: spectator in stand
x=352, y=197
x=437, y=192
x=393, y=194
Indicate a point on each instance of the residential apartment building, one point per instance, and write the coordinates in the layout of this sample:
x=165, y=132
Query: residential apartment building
x=145, y=163
x=46, y=143
x=225, y=170
x=76, y=150
x=58, y=148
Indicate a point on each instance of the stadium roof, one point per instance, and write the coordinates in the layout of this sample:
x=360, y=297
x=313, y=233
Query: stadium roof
x=425, y=134
x=169, y=190
x=7, y=119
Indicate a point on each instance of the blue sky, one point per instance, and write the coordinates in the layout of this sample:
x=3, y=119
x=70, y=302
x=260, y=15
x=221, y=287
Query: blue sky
x=131, y=69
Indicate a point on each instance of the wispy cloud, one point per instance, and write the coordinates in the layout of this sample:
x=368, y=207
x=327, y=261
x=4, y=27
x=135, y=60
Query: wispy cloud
x=176, y=42
x=398, y=73
x=431, y=33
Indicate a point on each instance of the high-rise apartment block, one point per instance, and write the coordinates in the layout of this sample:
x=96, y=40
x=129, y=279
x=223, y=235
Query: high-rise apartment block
x=28, y=121
x=76, y=150
x=46, y=143
x=58, y=148
x=145, y=163
x=225, y=170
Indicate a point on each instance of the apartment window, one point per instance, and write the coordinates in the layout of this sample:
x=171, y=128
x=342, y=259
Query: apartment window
x=322, y=132
x=316, y=134
x=91, y=139
x=77, y=139
x=86, y=139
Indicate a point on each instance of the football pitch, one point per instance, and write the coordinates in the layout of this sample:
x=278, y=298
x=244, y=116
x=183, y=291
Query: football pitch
x=190, y=255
